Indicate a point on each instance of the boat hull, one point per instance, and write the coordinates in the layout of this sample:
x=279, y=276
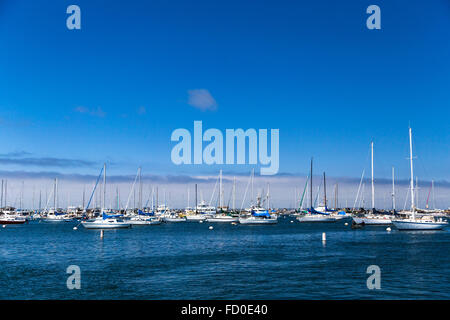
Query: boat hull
x=258, y=221
x=144, y=222
x=12, y=221
x=417, y=225
x=316, y=218
x=174, y=220
x=223, y=220
x=99, y=225
x=196, y=218
x=372, y=221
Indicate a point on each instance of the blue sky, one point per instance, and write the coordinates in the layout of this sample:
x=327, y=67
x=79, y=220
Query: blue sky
x=116, y=89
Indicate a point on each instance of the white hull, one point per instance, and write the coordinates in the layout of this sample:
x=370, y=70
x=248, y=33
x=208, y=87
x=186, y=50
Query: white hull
x=223, y=219
x=253, y=220
x=418, y=225
x=144, y=222
x=196, y=217
x=57, y=219
x=105, y=225
x=372, y=221
x=315, y=218
x=167, y=219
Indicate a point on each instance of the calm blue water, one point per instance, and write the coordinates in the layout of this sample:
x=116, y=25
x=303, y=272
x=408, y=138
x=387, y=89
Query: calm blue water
x=189, y=261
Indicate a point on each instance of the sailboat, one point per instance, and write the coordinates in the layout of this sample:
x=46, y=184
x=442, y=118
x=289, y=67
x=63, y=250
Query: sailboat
x=56, y=214
x=141, y=218
x=426, y=222
x=373, y=218
x=222, y=215
x=107, y=219
x=202, y=211
x=257, y=213
x=313, y=215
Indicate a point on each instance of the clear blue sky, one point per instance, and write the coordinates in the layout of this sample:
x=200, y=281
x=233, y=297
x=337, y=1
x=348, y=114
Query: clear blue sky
x=118, y=87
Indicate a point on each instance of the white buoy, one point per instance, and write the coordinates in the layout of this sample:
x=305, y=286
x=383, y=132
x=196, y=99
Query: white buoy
x=101, y=234
x=292, y=221
x=75, y=228
x=388, y=229
x=211, y=227
x=324, y=236
x=4, y=226
x=201, y=221
x=346, y=223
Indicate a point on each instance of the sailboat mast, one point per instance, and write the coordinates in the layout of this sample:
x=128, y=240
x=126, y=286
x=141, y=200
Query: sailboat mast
x=253, y=175
x=324, y=190
x=220, y=189
x=104, y=186
x=54, y=193
x=40, y=199
x=373, y=187
x=196, y=200
x=432, y=193
x=310, y=185
x=393, y=189
x=140, y=191
x=234, y=193
x=118, y=199
x=412, y=173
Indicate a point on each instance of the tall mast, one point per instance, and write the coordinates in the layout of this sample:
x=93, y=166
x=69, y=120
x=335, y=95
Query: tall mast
x=104, y=186
x=55, y=192
x=393, y=189
x=373, y=187
x=196, y=200
x=253, y=175
x=153, y=196
x=220, y=190
x=432, y=193
x=234, y=193
x=336, y=196
x=310, y=185
x=268, y=195
x=118, y=199
x=412, y=174
x=324, y=191
x=40, y=198
x=140, y=190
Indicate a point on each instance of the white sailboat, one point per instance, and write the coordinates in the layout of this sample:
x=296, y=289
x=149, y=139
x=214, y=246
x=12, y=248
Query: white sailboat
x=141, y=218
x=107, y=220
x=257, y=214
x=313, y=215
x=56, y=214
x=222, y=216
x=373, y=218
x=426, y=222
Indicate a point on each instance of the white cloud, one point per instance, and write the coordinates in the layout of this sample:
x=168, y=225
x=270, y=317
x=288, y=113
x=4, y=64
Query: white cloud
x=202, y=99
x=94, y=112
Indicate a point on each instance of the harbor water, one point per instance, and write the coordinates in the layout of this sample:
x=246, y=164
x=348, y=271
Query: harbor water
x=288, y=260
